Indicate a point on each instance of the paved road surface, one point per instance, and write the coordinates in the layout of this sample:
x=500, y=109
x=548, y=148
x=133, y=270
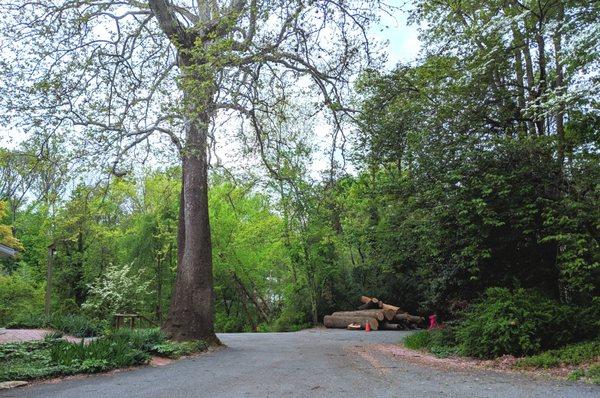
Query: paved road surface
x=310, y=363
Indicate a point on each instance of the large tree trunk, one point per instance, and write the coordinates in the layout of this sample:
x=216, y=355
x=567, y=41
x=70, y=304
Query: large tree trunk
x=530, y=81
x=158, y=307
x=520, y=77
x=541, y=45
x=192, y=303
x=560, y=88
x=418, y=320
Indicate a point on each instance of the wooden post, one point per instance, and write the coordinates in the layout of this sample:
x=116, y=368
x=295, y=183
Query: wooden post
x=48, y=297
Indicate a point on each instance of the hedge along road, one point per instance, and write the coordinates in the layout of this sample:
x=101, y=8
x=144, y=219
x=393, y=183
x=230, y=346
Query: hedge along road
x=310, y=363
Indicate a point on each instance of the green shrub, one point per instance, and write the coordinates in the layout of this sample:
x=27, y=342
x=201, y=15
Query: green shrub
x=28, y=360
x=141, y=339
x=77, y=325
x=119, y=348
x=290, y=320
x=588, y=320
x=18, y=295
x=154, y=342
x=173, y=349
x=518, y=323
x=98, y=355
x=118, y=290
x=573, y=354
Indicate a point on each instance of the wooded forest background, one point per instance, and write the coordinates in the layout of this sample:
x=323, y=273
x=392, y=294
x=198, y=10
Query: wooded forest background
x=477, y=167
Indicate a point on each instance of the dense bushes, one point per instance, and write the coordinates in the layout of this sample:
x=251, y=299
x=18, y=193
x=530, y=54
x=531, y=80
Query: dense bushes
x=520, y=322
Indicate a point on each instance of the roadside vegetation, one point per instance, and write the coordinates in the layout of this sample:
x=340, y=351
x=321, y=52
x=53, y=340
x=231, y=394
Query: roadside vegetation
x=53, y=357
x=540, y=332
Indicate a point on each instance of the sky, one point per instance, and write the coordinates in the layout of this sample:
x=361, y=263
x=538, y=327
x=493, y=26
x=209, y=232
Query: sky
x=402, y=39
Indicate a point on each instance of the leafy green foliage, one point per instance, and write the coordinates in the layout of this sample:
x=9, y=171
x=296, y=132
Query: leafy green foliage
x=466, y=179
x=99, y=355
x=593, y=373
x=19, y=296
x=154, y=341
x=516, y=322
x=29, y=360
x=141, y=339
x=419, y=340
x=174, y=349
x=119, y=290
x=119, y=348
x=6, y=232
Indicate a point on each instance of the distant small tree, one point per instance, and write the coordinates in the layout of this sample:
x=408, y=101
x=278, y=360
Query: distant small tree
x=119, y=290
x=6, y=233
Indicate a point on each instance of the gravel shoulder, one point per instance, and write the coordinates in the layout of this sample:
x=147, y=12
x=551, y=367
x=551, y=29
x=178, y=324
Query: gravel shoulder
x=310, y=363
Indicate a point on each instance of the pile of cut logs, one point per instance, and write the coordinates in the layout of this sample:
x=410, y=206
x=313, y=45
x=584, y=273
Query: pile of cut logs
x=375, y=313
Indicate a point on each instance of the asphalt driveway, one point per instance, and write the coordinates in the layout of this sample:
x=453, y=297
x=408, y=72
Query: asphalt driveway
x=310, y=363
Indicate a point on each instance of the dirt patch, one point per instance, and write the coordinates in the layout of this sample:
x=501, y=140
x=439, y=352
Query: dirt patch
x=22, y=335
x=506, y=363
x=371, y=359
x=160, y=361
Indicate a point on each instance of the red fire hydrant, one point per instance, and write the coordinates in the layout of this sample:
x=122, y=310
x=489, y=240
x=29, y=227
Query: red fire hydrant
x=433, y=321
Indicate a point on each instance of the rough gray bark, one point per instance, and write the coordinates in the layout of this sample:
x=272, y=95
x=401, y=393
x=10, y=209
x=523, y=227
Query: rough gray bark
x=560, y=87
x=192, y=303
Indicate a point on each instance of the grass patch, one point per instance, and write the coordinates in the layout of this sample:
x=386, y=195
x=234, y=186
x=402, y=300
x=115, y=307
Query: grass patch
x=420, y=340
x=572, y=354
x=120, y=348
x=439, y=342
x=592, y=374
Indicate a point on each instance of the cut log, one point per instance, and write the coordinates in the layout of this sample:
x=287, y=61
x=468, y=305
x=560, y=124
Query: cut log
x=390, y=326
x=368, y=306
x=380, y=314
x=342, y=322
x=372, y=301
x=377, y=314
x=391, y=308
x=410, y=319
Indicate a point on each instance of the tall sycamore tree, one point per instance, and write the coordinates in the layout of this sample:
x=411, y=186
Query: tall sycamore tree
x=120, y=78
